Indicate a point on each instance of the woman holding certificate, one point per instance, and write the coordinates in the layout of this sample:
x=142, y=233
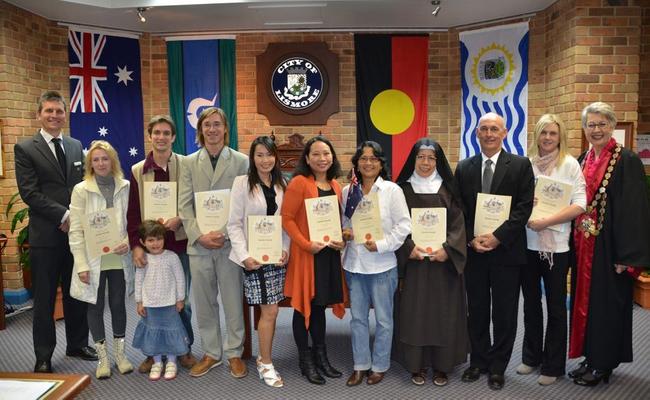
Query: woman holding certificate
x=559, y=198
x=99, y=244
x=254, y=228
x=376, y=223
x=430, y=307
x=611, y=243
x=314, y=276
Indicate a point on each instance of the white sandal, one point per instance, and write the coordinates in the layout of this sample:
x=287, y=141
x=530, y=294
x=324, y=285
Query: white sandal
x=156, y=371
x=170, y=371
x=268, y=373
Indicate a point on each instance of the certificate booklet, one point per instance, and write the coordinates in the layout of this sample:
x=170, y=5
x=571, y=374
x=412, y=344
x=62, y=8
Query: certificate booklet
x=366, y=220
x=324, y=219
x=160, y=200
x=212, y=209
x=101, y=232
x=552, y=196
x=265, y=238
x=429, y=227
x=491, y=211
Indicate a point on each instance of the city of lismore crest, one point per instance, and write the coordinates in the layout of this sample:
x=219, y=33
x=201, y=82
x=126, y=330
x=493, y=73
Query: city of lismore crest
x=297, y=83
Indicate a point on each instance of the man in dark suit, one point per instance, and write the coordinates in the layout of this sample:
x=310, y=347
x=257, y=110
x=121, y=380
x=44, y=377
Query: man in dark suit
x=48, y=165
x=494, y=259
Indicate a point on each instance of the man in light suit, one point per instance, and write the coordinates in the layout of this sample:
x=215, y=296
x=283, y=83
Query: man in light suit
x=494, y=260
x=48, y=166
x=214, y=166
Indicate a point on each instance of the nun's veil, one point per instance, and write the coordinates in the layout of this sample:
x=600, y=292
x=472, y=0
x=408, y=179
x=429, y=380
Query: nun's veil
x=442, y=166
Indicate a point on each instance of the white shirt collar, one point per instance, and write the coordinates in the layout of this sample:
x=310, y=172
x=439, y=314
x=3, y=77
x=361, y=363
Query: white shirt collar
x=48, y=137
x=494, y=158
x=429, y=184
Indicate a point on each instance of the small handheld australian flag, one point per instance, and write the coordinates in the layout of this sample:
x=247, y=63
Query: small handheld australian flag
x=354, y=195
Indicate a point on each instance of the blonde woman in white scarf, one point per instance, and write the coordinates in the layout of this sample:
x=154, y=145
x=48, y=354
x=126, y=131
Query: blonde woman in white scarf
x=548, y=255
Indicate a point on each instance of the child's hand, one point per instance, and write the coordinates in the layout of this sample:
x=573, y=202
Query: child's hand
x=180, y=305
x=141, y=310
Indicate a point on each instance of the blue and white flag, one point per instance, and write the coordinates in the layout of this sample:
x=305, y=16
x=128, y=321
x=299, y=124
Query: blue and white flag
x=494, y=72
x=106, y=93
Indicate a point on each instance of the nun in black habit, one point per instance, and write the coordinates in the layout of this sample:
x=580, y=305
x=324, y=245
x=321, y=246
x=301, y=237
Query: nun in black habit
x=430, y=304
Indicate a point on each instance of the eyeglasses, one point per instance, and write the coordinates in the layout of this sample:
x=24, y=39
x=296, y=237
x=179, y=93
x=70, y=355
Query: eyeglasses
x=592, y=125
x=493, y=129
x=425, y=158
x=369, y=159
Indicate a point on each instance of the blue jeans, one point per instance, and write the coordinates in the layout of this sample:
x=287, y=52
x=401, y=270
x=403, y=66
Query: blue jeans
x=378, y=290
x=186, y=313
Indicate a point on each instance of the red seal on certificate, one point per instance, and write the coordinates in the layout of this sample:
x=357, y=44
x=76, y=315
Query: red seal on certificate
x=429, y=250
x=265, y=258
x=326, y=238
x=106, y=249
x=368, y=236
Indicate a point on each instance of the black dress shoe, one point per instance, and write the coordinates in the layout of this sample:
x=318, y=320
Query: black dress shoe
x=496, y=381
x=43, y=367
x=472, y=374
x=582, y=369
x=85, y=353
x=593, y=377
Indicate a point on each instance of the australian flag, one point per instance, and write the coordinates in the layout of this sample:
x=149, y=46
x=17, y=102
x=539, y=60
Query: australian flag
x=106, y=93
x=354, y=196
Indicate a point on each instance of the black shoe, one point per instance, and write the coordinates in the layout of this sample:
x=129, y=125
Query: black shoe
x=496, y=381
x=323, y=364
x=43, y=367
x=472, y=374
x=308, y=368
x=593, y=377
x=85, y=353
x=581, y=370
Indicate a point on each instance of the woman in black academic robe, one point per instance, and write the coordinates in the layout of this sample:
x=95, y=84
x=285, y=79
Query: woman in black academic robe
x=612, y=245
x=430, y=307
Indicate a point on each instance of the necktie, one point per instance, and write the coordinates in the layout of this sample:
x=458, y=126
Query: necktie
x=60, y=155
x=487, y=176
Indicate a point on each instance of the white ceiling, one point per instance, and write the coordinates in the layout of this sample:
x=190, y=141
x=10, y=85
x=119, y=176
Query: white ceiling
x=184, y=16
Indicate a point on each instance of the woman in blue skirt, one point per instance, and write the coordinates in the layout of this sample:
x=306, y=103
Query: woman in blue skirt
x=160, y=295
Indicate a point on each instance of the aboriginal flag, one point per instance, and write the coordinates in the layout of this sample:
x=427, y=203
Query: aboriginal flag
x=391, y=79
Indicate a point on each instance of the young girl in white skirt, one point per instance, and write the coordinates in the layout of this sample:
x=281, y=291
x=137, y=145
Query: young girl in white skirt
x=160, y=295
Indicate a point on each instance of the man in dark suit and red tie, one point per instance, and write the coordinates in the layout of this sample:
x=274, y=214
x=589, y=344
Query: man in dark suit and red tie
x=494, y=259
x=48, y=166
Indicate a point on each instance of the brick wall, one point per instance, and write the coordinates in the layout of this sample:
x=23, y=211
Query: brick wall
x=580, y=51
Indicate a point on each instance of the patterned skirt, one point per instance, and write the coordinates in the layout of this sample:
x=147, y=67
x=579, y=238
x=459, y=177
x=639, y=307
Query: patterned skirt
x=161, y=332
x=265, y=285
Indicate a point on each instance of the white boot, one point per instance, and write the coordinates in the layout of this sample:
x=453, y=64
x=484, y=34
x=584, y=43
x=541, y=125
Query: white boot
x=103, y=366
x=123, y=364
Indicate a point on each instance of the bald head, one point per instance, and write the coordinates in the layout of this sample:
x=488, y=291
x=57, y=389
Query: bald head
x=491, y=131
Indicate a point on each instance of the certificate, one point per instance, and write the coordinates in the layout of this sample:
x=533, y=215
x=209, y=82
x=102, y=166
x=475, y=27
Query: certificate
x=552, y=196
x=366, y=220
x=212, y=209
x=265, y=238
x=429, y=227
x=100, y=233
x=324, y=219
x=492, y=210
x=160, y=200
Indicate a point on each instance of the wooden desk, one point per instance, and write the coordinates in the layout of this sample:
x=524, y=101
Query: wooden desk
x=72, y=384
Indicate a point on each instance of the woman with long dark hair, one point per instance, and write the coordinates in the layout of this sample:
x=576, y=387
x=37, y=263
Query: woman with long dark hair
x=314, y=276
x=260, y=192
x=430, y=307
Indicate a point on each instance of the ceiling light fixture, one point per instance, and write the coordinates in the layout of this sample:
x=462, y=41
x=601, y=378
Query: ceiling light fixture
x=436, y=7
x=141, y=11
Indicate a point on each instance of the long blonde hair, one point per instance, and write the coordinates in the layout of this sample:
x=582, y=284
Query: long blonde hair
x=116, y=168
x=533, y=150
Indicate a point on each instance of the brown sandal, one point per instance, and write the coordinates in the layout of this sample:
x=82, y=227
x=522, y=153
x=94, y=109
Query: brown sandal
x=440, y=378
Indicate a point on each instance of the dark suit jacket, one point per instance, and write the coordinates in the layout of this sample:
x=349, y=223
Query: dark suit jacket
x=514, y=177
x=43, y=188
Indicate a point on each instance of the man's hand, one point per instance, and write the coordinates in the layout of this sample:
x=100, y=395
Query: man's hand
x=439, y=255
x=65, y=226
x=212, y=240
x=173, y=224
x=139, y=257
x=416, y=253
x=121, y=249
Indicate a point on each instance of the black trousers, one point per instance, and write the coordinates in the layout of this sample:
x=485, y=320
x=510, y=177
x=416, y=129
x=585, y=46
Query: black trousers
x=51, y=265
x=116, y=292
x=550, y=352
x=492, y=296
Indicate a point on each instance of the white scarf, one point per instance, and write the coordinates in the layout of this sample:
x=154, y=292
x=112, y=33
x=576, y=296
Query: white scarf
x=429, y=184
